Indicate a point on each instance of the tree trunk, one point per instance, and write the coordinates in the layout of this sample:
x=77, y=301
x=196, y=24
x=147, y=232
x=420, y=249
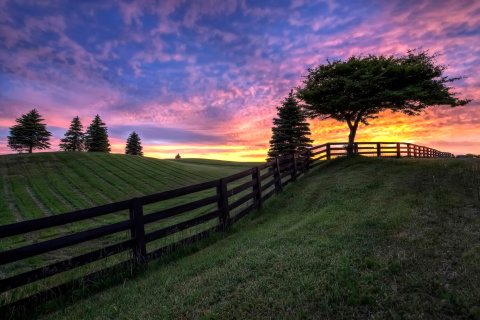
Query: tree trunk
x=30, y=149
x=351, y=141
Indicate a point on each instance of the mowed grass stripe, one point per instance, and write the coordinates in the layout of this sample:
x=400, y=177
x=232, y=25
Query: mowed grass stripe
x=115, y=181
x=26, y=205
x=61, y=187
x=182, y=172
x=10, y=213
x=7, y=206
x=201, y=175
x=171, y=178
x=123, y=178
x=96, y=196
x=43, y=192
x=79, y=185
x=211, y=169
x=168, y=177
x=66, y=193
x=126, y=170
x=96, y=177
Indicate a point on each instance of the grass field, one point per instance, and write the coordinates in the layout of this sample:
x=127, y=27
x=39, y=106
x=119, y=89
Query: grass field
x=45, y=184
x=357, y=238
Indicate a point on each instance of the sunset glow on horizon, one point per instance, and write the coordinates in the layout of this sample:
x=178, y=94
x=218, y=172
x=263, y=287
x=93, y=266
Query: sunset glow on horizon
x=203, y=78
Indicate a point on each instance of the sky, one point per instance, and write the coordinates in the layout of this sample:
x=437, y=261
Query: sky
x=204, y=78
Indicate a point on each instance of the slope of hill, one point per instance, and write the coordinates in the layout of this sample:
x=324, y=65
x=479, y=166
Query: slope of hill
x=357, y=238
x=43, y=184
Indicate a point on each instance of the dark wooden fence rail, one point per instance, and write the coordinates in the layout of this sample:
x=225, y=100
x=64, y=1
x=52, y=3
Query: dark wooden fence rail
x=278, y=174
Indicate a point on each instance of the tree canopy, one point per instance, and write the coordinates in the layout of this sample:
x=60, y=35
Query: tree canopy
x=29, y=133
x=134, y=146
x=290, y=129
x=358, y=89
x=74, y=138
x=96, y=137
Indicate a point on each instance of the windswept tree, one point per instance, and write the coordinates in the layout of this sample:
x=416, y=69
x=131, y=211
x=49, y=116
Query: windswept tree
x=290, y=131
x=29, y=133
x=358, y=89
x=74, y=138
x=96, y=137
x=134, y=146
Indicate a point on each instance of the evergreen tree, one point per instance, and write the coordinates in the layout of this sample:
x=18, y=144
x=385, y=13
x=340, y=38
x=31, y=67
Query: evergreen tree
x=290, y=130
x=178, y=156
x=29, y=133
x=96, y=137
x=74, y=138
x=134, y=146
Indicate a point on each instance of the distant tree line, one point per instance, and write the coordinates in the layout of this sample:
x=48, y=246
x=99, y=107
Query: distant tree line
x=30, y=133
x=471, y=155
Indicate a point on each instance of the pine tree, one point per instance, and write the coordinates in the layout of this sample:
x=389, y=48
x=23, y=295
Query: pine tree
x=29, y=133
x=96, y=137
x=178, y=156
x=74, y=138
x=134, y=146
x=290, y=130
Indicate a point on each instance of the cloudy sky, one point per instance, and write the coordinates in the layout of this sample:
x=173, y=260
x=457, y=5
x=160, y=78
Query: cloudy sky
x=202, y=78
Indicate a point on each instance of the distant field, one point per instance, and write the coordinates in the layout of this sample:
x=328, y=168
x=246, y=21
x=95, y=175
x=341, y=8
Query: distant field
x=360, y=237
x=44, y=184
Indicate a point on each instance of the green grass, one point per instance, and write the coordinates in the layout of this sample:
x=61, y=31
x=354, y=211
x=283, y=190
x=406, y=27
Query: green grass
x=45, y=184
x=56, y=182
x=357, y=238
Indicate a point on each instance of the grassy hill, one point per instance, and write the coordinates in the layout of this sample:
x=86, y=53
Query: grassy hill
x=43, y=184
x=357, y=238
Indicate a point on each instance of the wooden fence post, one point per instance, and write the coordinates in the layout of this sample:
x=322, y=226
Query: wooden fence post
x=409, y=150
x=398, y=150
x=294, y=173
x=328, y=152
x=259, y=188
x=356, y=148
x=137, y=231
x=278, y=184
x=379, y=150
x=222, y=204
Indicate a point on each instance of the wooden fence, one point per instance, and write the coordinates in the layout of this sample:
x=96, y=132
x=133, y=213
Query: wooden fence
x=262, y=183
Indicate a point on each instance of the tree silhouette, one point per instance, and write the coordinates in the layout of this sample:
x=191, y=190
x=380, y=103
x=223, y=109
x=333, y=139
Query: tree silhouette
x=134, y=146
x=74, y=138
x=178, y=156
x=96, y=137
x=290, y=130
x=358, y=89
x=29, y=133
